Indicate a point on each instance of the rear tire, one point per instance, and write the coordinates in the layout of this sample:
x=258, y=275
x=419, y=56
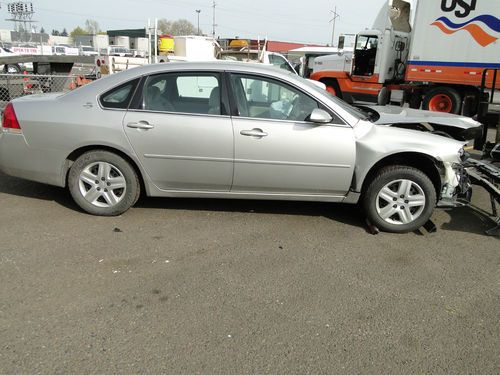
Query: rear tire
x=399, y=199
x=103, y=183
x=443, y=99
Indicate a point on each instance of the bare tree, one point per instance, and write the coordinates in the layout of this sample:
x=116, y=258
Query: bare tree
x=178, y=27
x=92, y=27
x=164, y=26
x=183, y=27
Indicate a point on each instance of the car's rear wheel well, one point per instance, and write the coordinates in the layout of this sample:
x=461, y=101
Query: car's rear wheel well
x=82, y=150
x=424, y=163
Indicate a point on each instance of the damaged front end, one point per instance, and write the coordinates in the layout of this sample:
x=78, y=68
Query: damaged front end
x=456, y=185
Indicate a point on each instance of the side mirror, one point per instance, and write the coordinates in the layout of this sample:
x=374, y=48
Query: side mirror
x=320, y=116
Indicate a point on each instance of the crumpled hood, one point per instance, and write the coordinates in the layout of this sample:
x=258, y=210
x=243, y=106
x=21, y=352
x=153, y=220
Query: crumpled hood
x=385, y=140
x=397, y=115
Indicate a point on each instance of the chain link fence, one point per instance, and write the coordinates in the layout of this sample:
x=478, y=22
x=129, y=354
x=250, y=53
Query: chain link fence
x=13, y=86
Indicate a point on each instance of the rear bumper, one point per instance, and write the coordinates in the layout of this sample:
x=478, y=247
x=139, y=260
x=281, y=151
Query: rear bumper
x=18, y=159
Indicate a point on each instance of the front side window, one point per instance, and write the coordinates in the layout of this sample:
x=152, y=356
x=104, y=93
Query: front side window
x=259, y=97
x=119, y=97
x=183, y=93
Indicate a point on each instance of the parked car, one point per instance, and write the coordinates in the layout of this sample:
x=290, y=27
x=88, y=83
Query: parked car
x=88, y=51
x=226, y=130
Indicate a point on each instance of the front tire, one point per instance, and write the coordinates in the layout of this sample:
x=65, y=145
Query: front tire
x=103, y=183
x=399, y=199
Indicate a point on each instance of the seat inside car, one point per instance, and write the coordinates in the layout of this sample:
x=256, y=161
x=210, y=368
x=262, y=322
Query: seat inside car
x=214, y=102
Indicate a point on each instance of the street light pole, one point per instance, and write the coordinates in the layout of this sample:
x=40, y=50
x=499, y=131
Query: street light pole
x=198, y=11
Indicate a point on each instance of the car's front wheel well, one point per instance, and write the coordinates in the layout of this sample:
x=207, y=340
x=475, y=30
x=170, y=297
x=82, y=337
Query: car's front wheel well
x=82, y=150
x=422, y=162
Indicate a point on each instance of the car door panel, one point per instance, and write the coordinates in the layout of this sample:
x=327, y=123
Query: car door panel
x=184, y=152
x=277, y=150
x=296, y=158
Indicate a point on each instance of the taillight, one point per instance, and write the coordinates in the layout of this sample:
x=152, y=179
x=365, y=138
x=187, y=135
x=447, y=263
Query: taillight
x=9, y=120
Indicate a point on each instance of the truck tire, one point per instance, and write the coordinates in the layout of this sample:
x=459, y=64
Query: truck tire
x=332, y=86
x=384, y=96
x=103, y=183
x=415, y=100
x=443, y=99
x=399, y=199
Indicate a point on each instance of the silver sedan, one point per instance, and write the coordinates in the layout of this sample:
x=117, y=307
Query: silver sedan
x=226, y=130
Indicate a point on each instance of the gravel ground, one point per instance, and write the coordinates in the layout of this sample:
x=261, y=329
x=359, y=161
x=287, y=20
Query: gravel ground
x=241, y=287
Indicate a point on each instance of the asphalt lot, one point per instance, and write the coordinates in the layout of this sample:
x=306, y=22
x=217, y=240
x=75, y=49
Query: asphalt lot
x=241, y=287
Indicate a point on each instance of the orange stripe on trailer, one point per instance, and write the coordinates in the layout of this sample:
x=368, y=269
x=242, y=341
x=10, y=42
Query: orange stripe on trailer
x=446, y=74
x=481, y=36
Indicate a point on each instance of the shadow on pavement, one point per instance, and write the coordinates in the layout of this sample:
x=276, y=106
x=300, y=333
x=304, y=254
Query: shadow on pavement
x=469, y=220
x=347, y=214
x=464, y=219
x=29, y=189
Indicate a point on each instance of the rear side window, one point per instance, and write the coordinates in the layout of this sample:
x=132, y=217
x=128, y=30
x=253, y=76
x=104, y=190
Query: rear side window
x=119, y=97
x=190, y=93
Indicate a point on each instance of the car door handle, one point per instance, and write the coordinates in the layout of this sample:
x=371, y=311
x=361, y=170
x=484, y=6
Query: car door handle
x=254, y=133
x=144, y=125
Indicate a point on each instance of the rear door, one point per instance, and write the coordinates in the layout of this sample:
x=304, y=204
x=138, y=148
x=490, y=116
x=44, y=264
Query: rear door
x=278, y=151
x=181, y=131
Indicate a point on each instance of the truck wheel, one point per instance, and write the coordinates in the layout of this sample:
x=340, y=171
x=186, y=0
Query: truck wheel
x=102, y=183
x=384, y=96
x=443, y=99
x=415, y=100
x=399, y=199
x=332, y=86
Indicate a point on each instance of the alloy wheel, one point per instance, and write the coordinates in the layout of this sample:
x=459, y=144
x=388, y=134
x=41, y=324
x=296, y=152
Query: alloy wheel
x=400, y=202
x=102, y=184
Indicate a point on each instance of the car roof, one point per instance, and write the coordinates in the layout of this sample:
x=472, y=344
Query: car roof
x=217, y=65
x=208, y=65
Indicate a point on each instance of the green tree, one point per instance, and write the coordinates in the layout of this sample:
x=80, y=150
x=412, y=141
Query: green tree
x=56, y=32
x=42, y=30
x=64, y=32
x=77, y=31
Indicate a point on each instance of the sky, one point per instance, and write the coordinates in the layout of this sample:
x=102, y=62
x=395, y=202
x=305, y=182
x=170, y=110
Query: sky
x=299, y=21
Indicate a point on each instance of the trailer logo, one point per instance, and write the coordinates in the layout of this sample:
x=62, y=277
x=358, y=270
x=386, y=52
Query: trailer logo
x=480, y=28
x=450, y=6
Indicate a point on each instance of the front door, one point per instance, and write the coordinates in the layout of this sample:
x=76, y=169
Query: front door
x=181, y=133
x=278, y=151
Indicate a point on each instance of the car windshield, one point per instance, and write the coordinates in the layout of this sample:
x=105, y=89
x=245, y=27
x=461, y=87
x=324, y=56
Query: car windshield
x=353, y=111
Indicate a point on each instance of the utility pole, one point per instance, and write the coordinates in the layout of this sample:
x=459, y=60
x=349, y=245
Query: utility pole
x=213, y=24
x=333, y=20
x=198, y=11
